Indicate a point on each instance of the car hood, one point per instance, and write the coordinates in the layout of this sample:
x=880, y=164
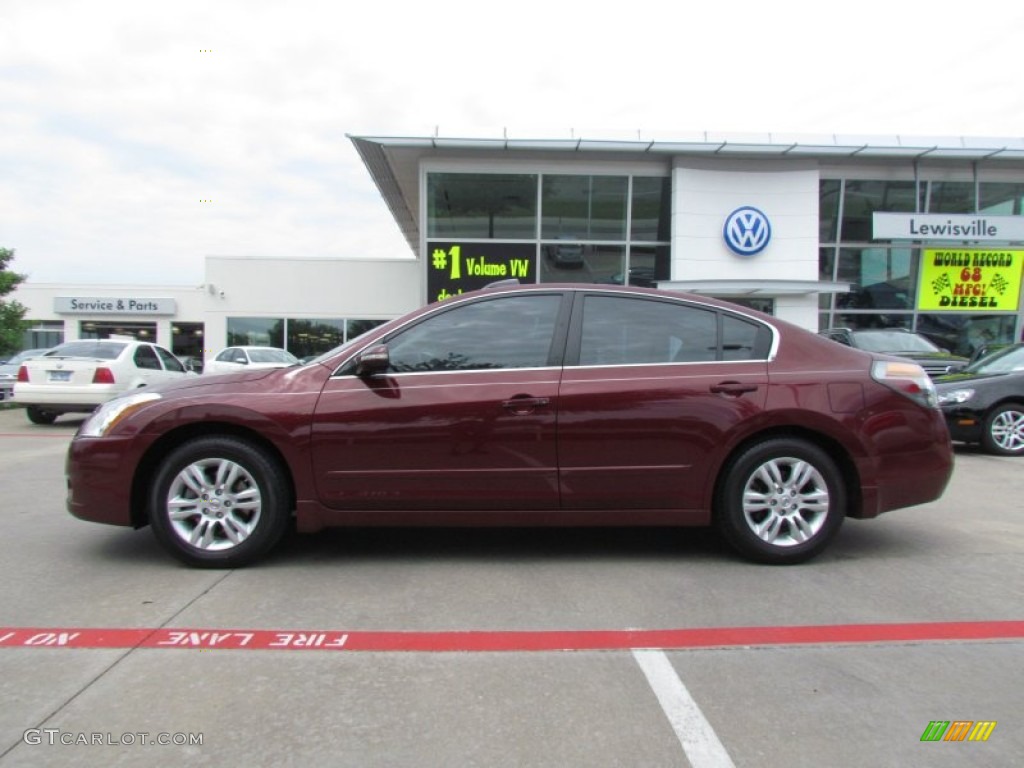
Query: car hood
x=936, y=356
x=214, y=380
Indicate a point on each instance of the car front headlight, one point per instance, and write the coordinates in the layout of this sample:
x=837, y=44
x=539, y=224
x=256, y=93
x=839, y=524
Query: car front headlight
x=955, y=396
x=104, y=418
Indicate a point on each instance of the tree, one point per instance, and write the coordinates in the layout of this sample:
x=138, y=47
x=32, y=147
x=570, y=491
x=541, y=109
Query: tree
x=12, y=313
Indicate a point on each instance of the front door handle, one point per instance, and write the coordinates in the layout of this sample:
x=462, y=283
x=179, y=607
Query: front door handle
x=733, y=388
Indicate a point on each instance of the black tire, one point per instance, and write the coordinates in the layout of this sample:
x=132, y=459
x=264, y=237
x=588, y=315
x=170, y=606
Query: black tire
x=1004, y=430
x=789, y=520
x=250, y=504
x=37, y=416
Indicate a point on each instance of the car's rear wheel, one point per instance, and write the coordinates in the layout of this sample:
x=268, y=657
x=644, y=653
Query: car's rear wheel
x=38, y=416
x=1004, y=430
x=781, y=501
x=219, y=502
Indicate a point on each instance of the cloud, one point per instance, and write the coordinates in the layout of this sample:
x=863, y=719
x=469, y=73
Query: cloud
x=120, y=117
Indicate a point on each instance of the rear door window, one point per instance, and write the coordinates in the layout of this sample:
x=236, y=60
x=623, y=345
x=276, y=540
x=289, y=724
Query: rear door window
x=146, y=358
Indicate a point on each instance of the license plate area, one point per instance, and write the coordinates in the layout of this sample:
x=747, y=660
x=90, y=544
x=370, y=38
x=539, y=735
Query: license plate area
x=58, y=376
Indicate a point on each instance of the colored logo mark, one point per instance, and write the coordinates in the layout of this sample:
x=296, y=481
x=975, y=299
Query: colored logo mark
x=958, y=730
x=747, y=231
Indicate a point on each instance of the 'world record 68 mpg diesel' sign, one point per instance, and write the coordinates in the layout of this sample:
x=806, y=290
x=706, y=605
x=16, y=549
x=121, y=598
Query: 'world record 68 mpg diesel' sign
x=970, y=280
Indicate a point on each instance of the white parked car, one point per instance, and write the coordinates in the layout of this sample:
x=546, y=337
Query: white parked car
x=235, y=359
x=78, y=376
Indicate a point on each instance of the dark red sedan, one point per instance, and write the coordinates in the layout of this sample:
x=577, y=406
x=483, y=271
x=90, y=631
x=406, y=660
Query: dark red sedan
x=553, y=405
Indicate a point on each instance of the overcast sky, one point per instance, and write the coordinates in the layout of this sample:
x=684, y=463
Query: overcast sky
x=118, y=117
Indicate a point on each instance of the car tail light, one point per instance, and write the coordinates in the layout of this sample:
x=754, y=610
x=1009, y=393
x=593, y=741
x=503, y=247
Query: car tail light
x=103, y=376
x=909, y=379
x=23, y=374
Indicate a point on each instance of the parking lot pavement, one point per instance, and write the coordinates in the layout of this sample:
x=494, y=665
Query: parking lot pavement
x=104, y=638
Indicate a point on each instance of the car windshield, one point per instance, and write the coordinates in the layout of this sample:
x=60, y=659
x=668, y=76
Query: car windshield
x=103, y=350
x=1004, y=361
x=272, y=356
x=893, y=341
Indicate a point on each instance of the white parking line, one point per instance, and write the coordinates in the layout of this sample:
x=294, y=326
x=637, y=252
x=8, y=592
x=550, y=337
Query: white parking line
x=700, y=743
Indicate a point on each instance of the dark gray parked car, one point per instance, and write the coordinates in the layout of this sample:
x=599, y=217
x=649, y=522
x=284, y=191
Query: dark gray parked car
x=902, y=343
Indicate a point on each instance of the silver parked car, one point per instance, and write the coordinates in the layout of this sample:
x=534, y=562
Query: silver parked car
x=9, y=371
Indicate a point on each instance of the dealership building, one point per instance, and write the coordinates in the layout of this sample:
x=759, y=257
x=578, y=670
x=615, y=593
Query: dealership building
x=837, y=231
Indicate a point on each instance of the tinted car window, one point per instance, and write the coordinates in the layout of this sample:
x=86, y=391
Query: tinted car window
x=227, y=355
x=171, y=363
x=893, y=341
x=145, y=357
x=103, y=351
x=624, y=330
x=506, y=332
x=744, y=339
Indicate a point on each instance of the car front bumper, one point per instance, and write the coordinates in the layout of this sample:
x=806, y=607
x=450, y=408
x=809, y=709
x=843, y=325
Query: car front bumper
x=965, y=424
x=99, y=485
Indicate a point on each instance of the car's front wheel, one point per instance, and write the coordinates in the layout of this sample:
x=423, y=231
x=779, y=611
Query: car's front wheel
x=1004, y=430
x=39, y=416
x=781, y=501
x=219, y=502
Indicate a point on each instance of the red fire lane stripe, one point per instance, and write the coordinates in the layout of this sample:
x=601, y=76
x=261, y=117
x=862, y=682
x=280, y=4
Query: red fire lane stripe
x=581, y=640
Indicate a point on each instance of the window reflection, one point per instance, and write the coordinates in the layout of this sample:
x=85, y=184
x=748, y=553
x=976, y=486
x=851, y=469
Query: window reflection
x=880, y=278
x=508, y=332
x=965, y=335
x=828, y=210
x=255, y=332
x=651, y=209
x=481, y=205
x=308, y=338
x=951, y=197
x=583, y=207
x=1001, y=199
x=864, y=198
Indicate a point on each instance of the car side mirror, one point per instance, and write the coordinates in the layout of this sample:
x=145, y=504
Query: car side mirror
x=374, y=360
x=241, y=360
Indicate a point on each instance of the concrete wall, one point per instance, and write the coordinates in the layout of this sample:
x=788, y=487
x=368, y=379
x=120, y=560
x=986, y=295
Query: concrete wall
x=246, y=287
x=706, y=192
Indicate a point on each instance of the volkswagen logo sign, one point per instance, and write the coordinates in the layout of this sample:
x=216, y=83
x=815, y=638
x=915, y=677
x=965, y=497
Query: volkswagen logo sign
x=747, y=231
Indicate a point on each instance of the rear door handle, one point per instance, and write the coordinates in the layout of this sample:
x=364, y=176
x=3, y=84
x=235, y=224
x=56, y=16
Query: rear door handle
x=733, y=388
x=523, y=404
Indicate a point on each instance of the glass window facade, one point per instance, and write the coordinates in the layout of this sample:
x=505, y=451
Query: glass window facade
x=569, y=228
x=583, y=207
x=104, y=329
x=885, y=277
x=42, y=334
x=500, y=206
x=255, y=332
x=616, y=229
x=309, y=338
x=188, y=340
x=303, y=337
